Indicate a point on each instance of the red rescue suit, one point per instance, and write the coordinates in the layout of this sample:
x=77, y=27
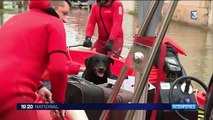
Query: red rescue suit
x=71, y=68
x=29, y=42
x=109, y=20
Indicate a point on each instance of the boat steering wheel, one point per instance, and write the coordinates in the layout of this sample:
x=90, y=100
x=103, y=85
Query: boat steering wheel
x=182, y=79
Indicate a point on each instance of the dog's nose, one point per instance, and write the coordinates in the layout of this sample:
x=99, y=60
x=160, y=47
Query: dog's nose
x=101, y=69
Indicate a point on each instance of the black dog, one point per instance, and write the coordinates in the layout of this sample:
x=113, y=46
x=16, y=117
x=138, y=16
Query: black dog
x=98, y=68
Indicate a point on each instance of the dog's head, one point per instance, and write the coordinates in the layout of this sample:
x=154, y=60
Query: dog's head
x=99, y=64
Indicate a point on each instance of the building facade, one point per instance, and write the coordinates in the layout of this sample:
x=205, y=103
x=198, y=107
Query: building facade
x=193, y=12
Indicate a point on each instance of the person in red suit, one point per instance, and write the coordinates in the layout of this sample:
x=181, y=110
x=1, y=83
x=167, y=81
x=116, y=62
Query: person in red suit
x=108, y=15
x=71, y=67
x=29, y=43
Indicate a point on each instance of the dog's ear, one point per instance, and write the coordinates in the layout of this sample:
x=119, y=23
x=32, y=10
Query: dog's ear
x=88, y=62
x=111, y=60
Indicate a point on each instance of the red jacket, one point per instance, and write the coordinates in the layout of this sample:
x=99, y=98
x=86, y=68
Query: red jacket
x=112, y=17
x=29, y=42
x=71, y=68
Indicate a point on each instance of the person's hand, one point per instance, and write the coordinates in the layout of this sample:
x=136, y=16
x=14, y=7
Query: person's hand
x=87, y=42
x=45, y=94
x=57, y=114
x=108, y=46
x=76, y=115
x=82, y=68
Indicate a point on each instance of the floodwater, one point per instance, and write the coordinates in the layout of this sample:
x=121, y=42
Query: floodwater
x=196, y=42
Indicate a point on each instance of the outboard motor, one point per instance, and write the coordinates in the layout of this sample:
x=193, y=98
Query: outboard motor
x=209, y=103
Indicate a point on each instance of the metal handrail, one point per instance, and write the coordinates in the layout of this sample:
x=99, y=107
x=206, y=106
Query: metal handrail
x=124, y=70
x=148, y=18
x=155, y=48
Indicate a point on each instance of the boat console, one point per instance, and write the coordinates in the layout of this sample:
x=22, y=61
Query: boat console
x=181, y=92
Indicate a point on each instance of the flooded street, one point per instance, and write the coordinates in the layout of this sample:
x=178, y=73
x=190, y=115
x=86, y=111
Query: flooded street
x=198, y=45
x=196, y=42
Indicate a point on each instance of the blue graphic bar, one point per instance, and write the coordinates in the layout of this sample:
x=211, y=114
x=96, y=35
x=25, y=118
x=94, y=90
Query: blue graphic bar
x=36, y=106
x=184, y=106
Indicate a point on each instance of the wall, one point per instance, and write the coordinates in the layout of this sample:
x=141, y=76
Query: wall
x=210, y=21
x=129, y=6
x=183, y=12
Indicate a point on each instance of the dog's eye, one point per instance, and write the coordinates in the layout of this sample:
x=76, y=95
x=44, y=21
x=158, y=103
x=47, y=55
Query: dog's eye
x=97, y=60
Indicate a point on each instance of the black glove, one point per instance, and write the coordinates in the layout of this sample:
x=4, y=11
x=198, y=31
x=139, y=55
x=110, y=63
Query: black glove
x=87, y=42
x=108, y=46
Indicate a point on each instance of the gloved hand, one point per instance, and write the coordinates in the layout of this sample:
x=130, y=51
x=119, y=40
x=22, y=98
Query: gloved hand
x=108, y=46
x=87, y=42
